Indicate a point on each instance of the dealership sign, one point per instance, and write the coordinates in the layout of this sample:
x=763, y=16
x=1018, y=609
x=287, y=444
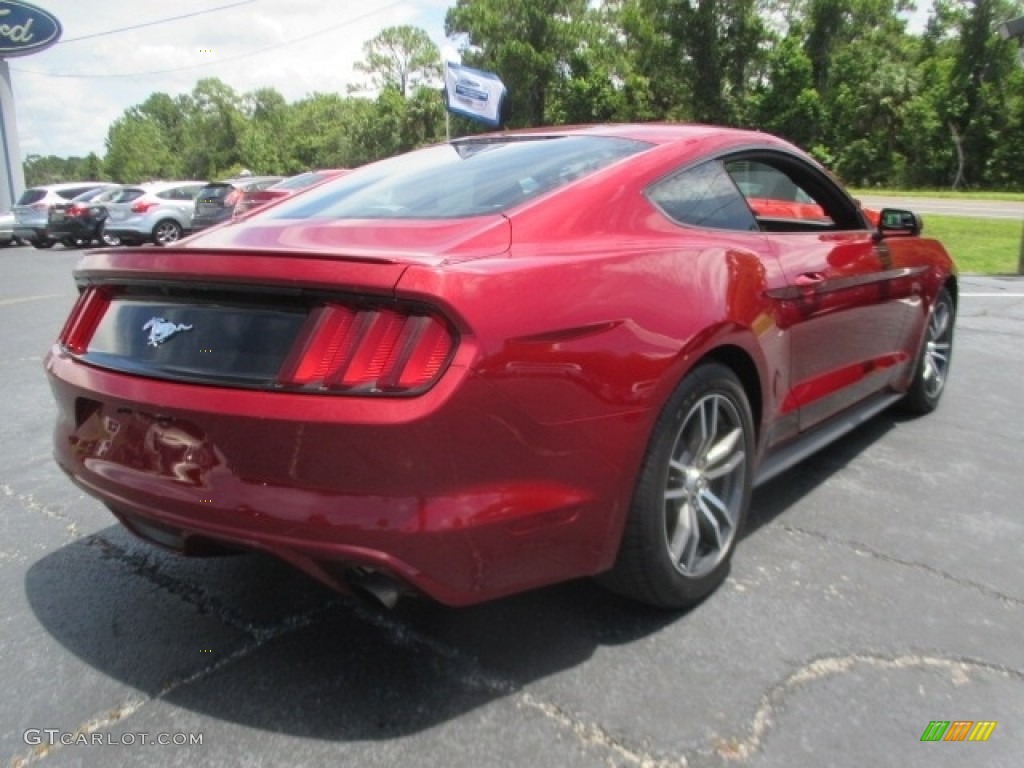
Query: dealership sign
x=25, y=29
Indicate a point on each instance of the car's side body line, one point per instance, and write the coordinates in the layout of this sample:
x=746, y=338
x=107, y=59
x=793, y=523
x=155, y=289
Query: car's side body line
x=778, y=461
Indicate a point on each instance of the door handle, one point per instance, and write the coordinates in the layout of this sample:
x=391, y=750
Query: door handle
x=809, y=279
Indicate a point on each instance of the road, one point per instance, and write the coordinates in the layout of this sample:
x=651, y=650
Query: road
x=879, y=587
x=981, y=209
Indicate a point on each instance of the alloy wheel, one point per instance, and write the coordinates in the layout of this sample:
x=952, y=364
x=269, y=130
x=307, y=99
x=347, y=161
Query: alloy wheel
x=938, y=345
x=704, y=492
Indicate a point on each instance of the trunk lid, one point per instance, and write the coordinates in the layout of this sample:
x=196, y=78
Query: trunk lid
x=409, y=241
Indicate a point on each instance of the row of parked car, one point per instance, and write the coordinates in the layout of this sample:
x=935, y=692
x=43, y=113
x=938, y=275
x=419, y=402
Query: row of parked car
x=161, y=212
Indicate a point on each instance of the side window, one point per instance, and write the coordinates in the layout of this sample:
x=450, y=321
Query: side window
x=777, y=200
x=71, y=194
x=787, y=194
x=703, y=196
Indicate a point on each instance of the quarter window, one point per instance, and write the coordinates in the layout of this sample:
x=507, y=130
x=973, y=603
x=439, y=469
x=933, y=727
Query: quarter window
x=703, y=196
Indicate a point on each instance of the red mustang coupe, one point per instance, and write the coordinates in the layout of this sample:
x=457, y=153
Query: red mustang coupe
x=500, y=362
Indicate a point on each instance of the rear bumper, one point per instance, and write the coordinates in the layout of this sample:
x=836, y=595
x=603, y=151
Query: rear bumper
x=72, y=227
x=455, y=492
x=205, y=222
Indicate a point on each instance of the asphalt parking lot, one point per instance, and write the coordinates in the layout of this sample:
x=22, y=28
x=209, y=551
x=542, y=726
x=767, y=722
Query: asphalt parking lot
x=879, y=587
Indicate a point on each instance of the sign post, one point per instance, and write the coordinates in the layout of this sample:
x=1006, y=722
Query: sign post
x=24, y=29
x=1014, y=28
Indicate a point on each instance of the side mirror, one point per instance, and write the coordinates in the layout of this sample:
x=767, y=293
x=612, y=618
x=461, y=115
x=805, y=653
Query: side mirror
x=894, y=221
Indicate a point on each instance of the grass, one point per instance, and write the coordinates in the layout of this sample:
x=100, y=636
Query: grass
x=980, y=246
x=947, y=194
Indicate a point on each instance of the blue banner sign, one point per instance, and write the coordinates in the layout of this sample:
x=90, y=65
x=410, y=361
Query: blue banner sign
x=473, y=93
x=25, y=29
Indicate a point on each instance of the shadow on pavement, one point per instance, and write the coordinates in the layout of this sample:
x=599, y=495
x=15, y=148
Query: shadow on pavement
x=247, y=640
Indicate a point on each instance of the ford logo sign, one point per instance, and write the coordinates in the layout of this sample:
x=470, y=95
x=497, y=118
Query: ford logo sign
x=25, y=29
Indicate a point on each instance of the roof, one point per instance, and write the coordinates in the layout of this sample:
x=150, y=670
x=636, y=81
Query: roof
x=656, y=133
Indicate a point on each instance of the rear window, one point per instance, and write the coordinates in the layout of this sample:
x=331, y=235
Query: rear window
x=30, y=196
x=301, y=181
x=213, y=192
x=256, y=184
x=92, y=194
x=71, y=194
x=472, y=177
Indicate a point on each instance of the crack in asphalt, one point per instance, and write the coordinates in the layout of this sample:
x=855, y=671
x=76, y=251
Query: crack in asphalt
x=864, y=549
x=829, y=666
x=589, y=734
x=32, y=504
x=102, y=720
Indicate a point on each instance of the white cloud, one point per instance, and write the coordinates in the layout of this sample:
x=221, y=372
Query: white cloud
x=67, y=116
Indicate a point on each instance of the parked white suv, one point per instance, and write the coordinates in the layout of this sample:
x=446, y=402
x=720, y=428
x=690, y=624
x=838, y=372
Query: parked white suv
x=32, y=211
x=159, y=212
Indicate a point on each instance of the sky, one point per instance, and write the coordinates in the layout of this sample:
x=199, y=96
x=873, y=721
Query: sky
x=67, y=96
x=298, y=47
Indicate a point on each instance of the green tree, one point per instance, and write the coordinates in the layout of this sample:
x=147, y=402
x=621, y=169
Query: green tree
x=787, y=103
x=215, y=123
x=262, y=148
x=596, y=83
x=316, y=133
x=402, y=58
x=136, y=151
x=700, y=59
x=982, y=66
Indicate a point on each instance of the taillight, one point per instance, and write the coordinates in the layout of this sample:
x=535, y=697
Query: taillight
x=142, y=206
x=85, y=316
x=77, y=210
x=368, y=350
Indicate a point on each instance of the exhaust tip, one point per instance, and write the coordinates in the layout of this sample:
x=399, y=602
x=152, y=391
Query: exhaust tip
x=383, y=590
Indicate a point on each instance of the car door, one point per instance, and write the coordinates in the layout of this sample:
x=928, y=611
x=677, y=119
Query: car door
x=182, y=200
x=843, y=305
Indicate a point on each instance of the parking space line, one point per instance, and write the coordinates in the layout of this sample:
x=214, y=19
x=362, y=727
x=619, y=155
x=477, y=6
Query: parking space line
x=25, y=299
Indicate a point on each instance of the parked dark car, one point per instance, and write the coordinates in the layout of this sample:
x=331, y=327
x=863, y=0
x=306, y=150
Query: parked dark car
x=217, y=200
x=80, y=222
x=285, y=188
x=501, y=362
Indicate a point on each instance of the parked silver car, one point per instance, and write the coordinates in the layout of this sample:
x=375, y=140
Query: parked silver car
x=7, y=229
x=32, y=211
x=159, y=212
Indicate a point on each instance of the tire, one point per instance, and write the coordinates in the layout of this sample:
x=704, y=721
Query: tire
x=108, y=240
x=692, y=494
x=932, y=369
x=42, y=243
x=166, y=231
